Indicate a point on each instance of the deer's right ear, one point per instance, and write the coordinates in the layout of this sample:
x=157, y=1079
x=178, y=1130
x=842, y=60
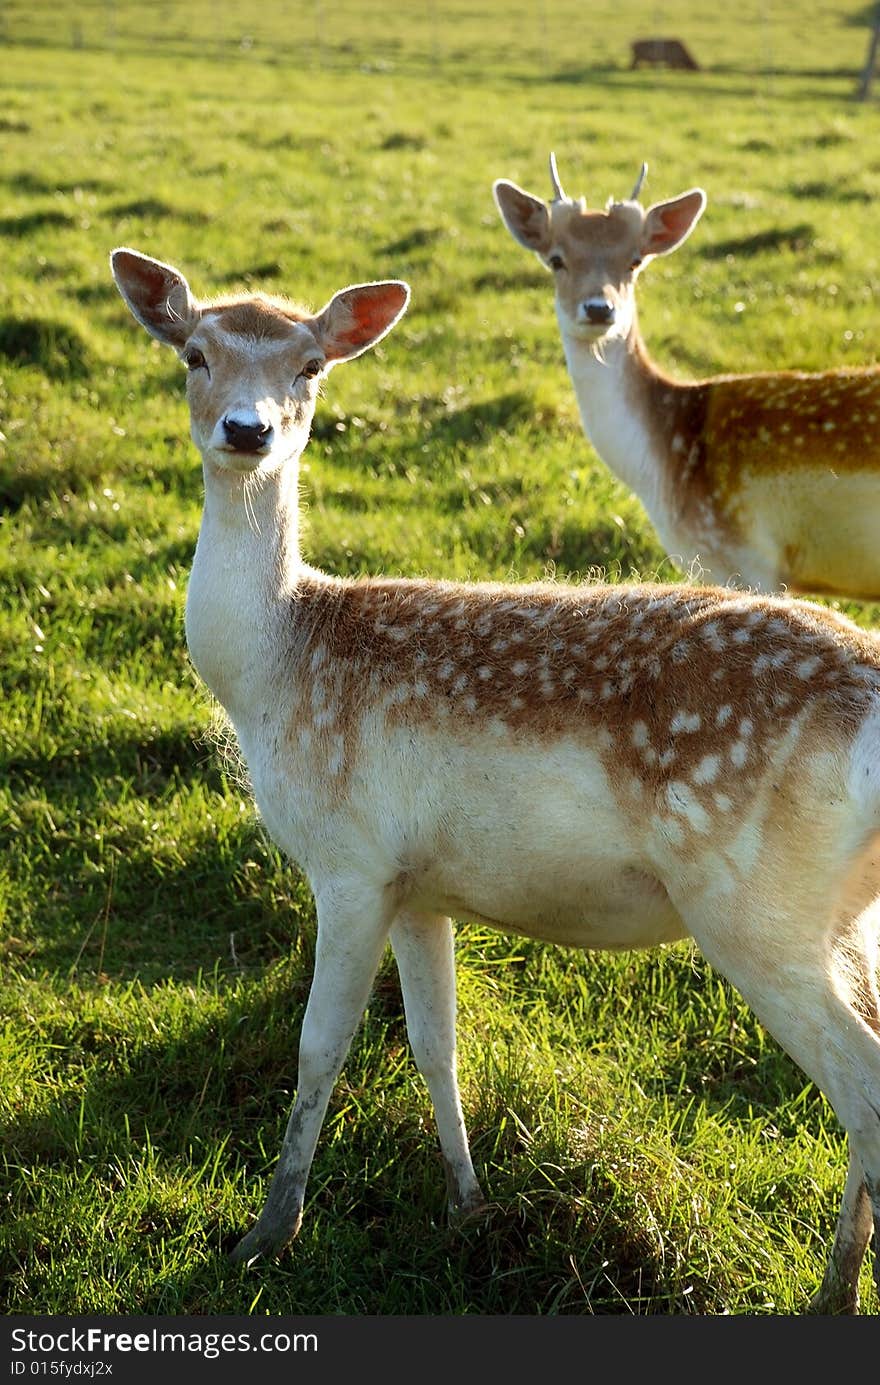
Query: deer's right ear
x=157, y=295
x=526, y=217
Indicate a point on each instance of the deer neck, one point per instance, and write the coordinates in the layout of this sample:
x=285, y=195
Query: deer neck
x=245, y=573
x=631, y=414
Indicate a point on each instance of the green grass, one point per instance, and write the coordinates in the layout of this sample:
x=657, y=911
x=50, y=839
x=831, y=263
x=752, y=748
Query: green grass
x=646, y=1147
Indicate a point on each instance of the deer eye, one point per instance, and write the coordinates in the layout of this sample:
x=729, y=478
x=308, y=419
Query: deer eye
x=635, y=262
x=311, y=369
x=193, y=359
x=556, y=262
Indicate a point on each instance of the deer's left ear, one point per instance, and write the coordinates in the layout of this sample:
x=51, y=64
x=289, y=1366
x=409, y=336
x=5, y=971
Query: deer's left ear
x=667, y=224
x=356, y=318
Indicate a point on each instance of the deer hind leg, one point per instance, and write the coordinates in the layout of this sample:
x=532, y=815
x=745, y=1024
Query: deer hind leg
x=351, y=940
x=424, y=950
x=856, y=950
x=769, y=946
x=839, y=1290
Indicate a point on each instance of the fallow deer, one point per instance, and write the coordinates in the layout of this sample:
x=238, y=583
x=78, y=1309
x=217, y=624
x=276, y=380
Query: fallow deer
x=771, y=480
x=599, y=766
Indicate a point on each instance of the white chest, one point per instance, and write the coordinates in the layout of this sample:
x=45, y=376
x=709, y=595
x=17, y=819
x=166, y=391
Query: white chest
x=615, y=419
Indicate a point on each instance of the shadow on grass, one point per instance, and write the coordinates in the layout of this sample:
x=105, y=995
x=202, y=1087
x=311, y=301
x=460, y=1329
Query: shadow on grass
x=31, y=182
x=475, y=423
x=775, y=238
x=572, y=1228
x=125, y=903
x=500, y=281
x=831, y=192
x=29, y=222
x=716, y=81
x=159, y=923
x=438, y=425
x=52, y=346
x=419, y=239
x=155, y=209
x=252, y=276
x=95, y=293
x=176, y=473
x=569, y=1230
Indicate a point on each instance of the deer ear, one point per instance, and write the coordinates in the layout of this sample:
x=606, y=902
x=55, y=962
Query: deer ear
x=526, y=217
x=157, y=295
x=357, y=317
x=667, y=224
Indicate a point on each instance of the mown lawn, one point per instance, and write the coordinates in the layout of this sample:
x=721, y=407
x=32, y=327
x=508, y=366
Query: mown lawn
x=647, y=1148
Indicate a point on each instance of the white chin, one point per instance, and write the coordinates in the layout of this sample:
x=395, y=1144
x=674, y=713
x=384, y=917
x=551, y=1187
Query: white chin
x=236, y=463
x=239, y=463
x=590, y=334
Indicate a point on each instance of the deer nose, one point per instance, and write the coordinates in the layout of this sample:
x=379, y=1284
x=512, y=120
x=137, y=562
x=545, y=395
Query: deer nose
x=251, y=435
x=599, y=311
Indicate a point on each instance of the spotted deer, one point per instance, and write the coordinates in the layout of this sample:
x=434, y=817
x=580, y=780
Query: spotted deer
x=598, y=766
x=769, y=481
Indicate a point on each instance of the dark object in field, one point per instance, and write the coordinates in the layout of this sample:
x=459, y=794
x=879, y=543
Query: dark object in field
x=662, y=52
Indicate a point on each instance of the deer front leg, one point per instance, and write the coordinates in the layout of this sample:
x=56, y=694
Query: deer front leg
x=349, y=947
x=424, y=950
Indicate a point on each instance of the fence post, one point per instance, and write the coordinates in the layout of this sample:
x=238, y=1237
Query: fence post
x=871, y=63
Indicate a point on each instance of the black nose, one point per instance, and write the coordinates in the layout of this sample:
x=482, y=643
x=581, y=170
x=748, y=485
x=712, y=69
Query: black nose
x=247, y=437
x=599, y=310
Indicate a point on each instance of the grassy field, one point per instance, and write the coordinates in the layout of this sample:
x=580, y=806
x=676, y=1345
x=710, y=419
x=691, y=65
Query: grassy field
x=647, y=1148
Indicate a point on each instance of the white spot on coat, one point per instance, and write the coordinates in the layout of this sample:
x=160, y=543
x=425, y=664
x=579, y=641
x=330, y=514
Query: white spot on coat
x=707, y=770
x=685, y=722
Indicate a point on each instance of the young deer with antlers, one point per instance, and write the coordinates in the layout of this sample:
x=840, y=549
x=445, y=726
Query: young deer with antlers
x=769, y=480
x=701, y=763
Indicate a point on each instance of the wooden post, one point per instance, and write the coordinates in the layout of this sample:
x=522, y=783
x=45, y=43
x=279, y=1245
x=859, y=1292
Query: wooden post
x=873, y=46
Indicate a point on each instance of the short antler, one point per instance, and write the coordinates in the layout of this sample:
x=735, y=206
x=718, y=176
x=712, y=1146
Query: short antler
x=643, y=173
x=558, y=194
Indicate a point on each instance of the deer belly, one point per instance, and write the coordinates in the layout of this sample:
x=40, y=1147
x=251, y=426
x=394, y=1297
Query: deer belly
x=823, y=525
x=528, y=839
x=631, y=910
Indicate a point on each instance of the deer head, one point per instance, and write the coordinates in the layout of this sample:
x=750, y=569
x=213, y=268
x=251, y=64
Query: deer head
x=596, y=256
